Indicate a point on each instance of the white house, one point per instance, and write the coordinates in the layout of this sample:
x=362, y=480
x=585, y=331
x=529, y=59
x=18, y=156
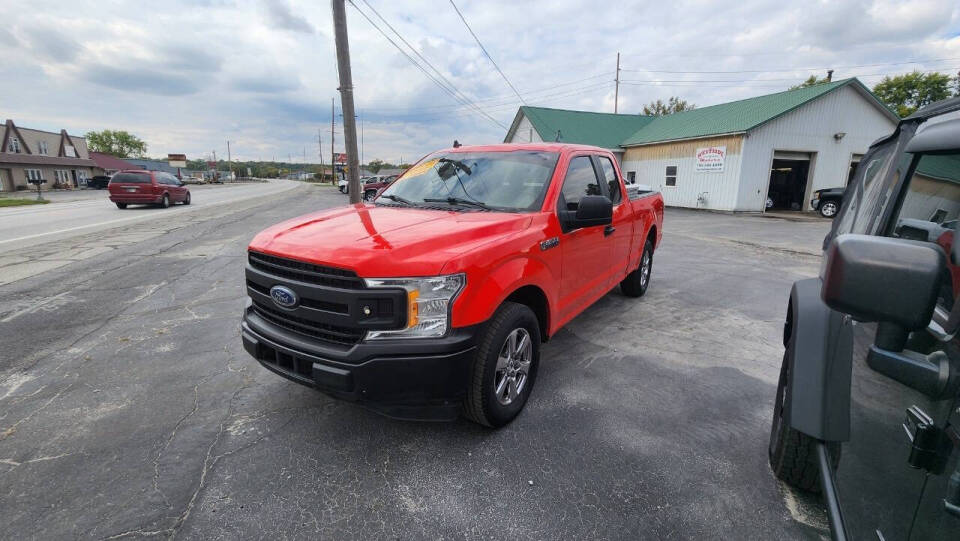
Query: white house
x=766, y=152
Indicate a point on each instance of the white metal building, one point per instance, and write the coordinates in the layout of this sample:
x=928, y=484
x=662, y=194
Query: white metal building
x=767, y=152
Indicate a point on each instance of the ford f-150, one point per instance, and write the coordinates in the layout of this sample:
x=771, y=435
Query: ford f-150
x=434, y=299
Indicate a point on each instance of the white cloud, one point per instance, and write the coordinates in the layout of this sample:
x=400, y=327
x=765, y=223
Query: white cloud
x=186, y=76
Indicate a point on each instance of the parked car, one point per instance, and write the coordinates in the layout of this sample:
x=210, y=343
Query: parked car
x=147, y=188
x=866, y=409
x=98, y=182
x=192, y=180
x=373, y=185
x=827, y=202
x=435, y=298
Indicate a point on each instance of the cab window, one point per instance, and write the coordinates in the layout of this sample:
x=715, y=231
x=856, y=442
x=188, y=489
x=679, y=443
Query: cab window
x=610, y=177
x=930, y=209
x=581, y=180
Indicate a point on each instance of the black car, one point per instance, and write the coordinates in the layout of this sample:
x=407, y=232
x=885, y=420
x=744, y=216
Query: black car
x=827, y=202
x=98, y=182
x=866, y=408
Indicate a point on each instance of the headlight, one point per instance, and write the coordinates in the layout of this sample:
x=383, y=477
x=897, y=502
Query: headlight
x=428, y=304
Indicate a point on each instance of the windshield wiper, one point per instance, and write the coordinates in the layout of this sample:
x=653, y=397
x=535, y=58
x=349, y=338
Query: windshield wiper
x=458, y=202
x=398, y=199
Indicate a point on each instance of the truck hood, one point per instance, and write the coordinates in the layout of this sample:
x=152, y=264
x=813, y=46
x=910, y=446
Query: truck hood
x=380, y=241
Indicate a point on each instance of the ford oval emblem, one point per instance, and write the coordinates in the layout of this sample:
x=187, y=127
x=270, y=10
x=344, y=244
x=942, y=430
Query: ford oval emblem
x=283, y=297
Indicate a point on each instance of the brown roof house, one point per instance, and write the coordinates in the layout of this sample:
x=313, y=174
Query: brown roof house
x=108, y=165
x=26, y=154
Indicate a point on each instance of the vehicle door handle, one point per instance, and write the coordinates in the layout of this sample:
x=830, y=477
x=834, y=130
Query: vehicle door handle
x=607, y=231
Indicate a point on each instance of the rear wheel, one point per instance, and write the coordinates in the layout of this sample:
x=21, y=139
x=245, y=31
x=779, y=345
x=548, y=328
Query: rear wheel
x=793, y=454
x=504, y=366
x=121, y=205
x=828, y=209
x=635, y=284
x=165, y=202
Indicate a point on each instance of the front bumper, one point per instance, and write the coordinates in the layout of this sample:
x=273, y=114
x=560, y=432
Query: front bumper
x=421, y=379
x=815, y=204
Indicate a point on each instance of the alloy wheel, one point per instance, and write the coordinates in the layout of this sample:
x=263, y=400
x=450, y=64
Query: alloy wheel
x=513, y=366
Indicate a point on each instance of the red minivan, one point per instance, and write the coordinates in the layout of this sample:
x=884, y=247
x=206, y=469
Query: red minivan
x=147, y=188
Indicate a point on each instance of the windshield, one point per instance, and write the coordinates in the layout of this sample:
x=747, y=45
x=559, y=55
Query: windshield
x=510, y=181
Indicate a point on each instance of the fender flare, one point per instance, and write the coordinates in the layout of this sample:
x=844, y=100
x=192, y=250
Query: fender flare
x=500, y=283
x=819, y=350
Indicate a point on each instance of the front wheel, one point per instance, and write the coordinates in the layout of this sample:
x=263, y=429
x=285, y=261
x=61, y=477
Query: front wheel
x=828, y=209
x=635, y=284
x=186, y=200
x=369, y=195
x=504, y=366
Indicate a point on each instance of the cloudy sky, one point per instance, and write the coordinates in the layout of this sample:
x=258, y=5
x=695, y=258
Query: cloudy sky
x=187, y=76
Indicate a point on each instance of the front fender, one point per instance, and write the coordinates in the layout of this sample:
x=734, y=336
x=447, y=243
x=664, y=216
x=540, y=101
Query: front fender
x=819, y=344
x=481, y=299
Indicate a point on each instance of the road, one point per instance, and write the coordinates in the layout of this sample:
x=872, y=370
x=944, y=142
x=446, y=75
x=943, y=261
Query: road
x=90, y=210
x=128, y=407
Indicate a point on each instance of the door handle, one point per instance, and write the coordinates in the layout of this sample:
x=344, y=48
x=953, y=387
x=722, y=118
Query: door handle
x=607, y=231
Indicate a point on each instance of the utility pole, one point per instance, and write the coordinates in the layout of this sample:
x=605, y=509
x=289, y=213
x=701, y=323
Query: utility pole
x=346, y=98
x=361, y=137
x=216, y=166
x=616, y=91
x=320, y=151
x=229, y=160
x=333, y=158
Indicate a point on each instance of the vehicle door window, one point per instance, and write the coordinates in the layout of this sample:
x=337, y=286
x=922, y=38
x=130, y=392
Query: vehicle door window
x=581, y=180
x=610, y=177
x=930, y=209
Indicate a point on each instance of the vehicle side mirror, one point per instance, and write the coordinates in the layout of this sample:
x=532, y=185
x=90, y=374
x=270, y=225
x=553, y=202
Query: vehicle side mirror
x=592, y=210
x=893, y=282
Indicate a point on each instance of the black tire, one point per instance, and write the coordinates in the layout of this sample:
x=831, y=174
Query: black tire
x=165, y=202
x=343, y=189
x=481, y=404
x=793, y=454
x=636, y=283
x=369, y=195
x=121, y=205
x=186, y=200
x=829, y=209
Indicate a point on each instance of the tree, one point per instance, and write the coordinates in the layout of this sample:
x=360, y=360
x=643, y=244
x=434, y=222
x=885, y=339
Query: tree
x=376, y=165
x=673, y=105
x=117, y=143
x=811, y=81
x=908, y=92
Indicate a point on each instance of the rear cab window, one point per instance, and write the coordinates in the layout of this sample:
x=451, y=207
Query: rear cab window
x=610, y=177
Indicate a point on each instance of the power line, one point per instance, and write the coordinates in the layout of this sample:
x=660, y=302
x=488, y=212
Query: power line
x=699, y=81
x=484, y=49
x=425, y=72
x=931, y=61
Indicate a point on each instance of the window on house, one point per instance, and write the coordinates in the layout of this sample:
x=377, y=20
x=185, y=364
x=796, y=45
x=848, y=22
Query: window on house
x=13, y=145
x=42, y=147
x=60, y=175
x=671, y=175
x=69, y=151
x=632, y=177
x=82, y=177
x=33, y=174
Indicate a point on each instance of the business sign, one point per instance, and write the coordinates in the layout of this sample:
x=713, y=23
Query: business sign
x=340, y=158
x=177, y=160
x=212, y=165
x=710, y=159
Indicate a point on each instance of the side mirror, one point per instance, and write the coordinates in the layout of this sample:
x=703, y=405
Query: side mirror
x=591, y=211
x=892, y=282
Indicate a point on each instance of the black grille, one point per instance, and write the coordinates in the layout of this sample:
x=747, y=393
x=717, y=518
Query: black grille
x=305, y=272
x=322, y=331
x=336, y=307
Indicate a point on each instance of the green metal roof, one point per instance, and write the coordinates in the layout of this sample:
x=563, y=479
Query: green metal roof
x=736, y=116
x=605, y=130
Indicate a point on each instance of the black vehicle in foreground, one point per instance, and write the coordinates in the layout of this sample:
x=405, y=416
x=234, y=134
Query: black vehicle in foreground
x=98, y=182
x=866, y=408
x=827, y=202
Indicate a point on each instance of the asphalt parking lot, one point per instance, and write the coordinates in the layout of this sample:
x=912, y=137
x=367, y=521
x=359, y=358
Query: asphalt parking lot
x=128, y=407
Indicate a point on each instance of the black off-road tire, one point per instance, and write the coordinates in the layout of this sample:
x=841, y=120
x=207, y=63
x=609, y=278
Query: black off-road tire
x=635, y=284
x=480, y=404
x=793, y=454
x=121, y=205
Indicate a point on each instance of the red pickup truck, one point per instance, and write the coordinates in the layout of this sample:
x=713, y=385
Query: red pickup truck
x=434, y=299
